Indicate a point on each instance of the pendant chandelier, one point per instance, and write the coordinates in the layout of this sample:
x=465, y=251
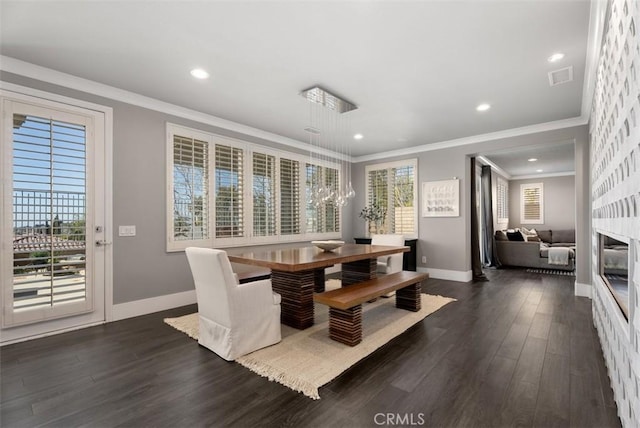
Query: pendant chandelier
x=329, y=133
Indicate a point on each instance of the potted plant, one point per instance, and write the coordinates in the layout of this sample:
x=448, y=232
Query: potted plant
x=374, y=214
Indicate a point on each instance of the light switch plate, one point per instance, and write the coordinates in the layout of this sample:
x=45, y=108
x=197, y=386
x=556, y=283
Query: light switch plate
x=127, y=231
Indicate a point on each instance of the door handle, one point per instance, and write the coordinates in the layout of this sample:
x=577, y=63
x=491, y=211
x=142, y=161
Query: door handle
x=102, y=243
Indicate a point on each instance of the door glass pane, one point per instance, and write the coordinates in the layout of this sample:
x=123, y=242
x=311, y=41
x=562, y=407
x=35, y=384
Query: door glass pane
x=49, y=212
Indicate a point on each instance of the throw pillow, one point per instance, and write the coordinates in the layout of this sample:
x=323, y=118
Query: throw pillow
x=530, y=235
x=545, y=235
x=515, y=236
x=500, y=236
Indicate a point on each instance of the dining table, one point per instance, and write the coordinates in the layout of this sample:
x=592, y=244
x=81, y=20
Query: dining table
x=296, y=273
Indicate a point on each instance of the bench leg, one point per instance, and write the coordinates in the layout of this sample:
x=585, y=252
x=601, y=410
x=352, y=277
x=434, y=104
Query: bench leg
x=409, y=298
x=345, y=326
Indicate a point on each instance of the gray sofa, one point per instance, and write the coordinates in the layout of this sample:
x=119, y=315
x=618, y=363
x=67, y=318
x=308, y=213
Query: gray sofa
x=536, y=254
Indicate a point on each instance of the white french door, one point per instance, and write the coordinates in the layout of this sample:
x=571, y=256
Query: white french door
x=53, y=213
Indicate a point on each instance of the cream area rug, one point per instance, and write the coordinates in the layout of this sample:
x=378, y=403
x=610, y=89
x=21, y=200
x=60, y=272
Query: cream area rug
x=307, y=359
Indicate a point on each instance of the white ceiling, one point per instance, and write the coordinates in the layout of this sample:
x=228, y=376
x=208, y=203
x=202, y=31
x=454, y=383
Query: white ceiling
x=416, y=70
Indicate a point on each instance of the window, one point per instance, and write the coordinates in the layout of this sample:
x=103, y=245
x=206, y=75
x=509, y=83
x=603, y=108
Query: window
x=264, y=195
x=225, y=192
x=190, y=196
x=322, y=217
x=188, y=216
x=531, y=203
x=289, y=197
x=502, y=200
x=392, y=187
x=229, y=182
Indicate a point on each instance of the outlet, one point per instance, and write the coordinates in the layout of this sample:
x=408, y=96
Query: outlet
x=424, y=259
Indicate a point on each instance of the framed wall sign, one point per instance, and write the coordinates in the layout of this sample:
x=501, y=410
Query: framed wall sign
x=441, y=198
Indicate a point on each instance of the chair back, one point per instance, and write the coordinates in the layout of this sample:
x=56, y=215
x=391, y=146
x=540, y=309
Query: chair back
x=392, y=263
x=214, y=281
x=387, y=239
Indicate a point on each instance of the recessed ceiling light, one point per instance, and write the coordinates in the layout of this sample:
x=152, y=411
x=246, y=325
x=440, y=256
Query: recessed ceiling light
x=532, y=159
x=483, y=107
x=538, y=170
x=199, y=73
x=358, y=137
x=555, y=57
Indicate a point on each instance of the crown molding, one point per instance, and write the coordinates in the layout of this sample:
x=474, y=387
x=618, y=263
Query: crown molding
x=480, y=138
x=32, y=71
x=549, y=175
x=495, y=167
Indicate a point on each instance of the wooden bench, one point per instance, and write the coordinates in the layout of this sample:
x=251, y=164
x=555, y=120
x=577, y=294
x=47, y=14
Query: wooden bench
x=345, y=304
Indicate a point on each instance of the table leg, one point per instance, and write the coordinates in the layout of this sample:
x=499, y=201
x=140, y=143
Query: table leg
x=358, y=271
x=296, y=289
x=318, y=279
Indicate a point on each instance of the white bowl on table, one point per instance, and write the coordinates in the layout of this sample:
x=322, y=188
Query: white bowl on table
x=328, y=245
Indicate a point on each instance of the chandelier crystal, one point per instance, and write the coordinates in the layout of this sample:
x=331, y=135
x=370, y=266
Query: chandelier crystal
x=329, y=132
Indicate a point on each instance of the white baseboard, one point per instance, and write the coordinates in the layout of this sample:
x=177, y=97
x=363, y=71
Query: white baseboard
x=451, y=275
x=583, y=290
x=154, y=304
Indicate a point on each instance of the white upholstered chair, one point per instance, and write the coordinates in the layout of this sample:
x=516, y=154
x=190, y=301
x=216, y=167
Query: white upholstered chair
x=235, y=319
x=392, y=263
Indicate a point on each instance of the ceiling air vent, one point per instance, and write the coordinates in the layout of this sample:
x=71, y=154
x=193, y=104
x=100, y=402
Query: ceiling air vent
x=563, y=75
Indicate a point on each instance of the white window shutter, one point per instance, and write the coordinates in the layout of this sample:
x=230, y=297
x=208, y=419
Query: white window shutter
x=289, y=197
x=190, y=189
x=229, y=186
x=532, y=206
x=264, y=194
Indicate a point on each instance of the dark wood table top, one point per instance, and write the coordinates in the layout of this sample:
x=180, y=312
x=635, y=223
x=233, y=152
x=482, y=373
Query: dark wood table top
x=307, y=258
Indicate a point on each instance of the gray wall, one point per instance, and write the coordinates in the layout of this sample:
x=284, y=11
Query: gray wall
x=141, y=266
x=559, y=195
x=445, y=241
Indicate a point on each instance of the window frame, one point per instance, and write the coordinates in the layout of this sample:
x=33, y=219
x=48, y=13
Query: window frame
x=172, y=243
x=413, y=162
x=523, y=188
x=249, y=149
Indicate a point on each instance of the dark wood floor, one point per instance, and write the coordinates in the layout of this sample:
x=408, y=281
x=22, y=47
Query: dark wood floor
x=519, y=350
